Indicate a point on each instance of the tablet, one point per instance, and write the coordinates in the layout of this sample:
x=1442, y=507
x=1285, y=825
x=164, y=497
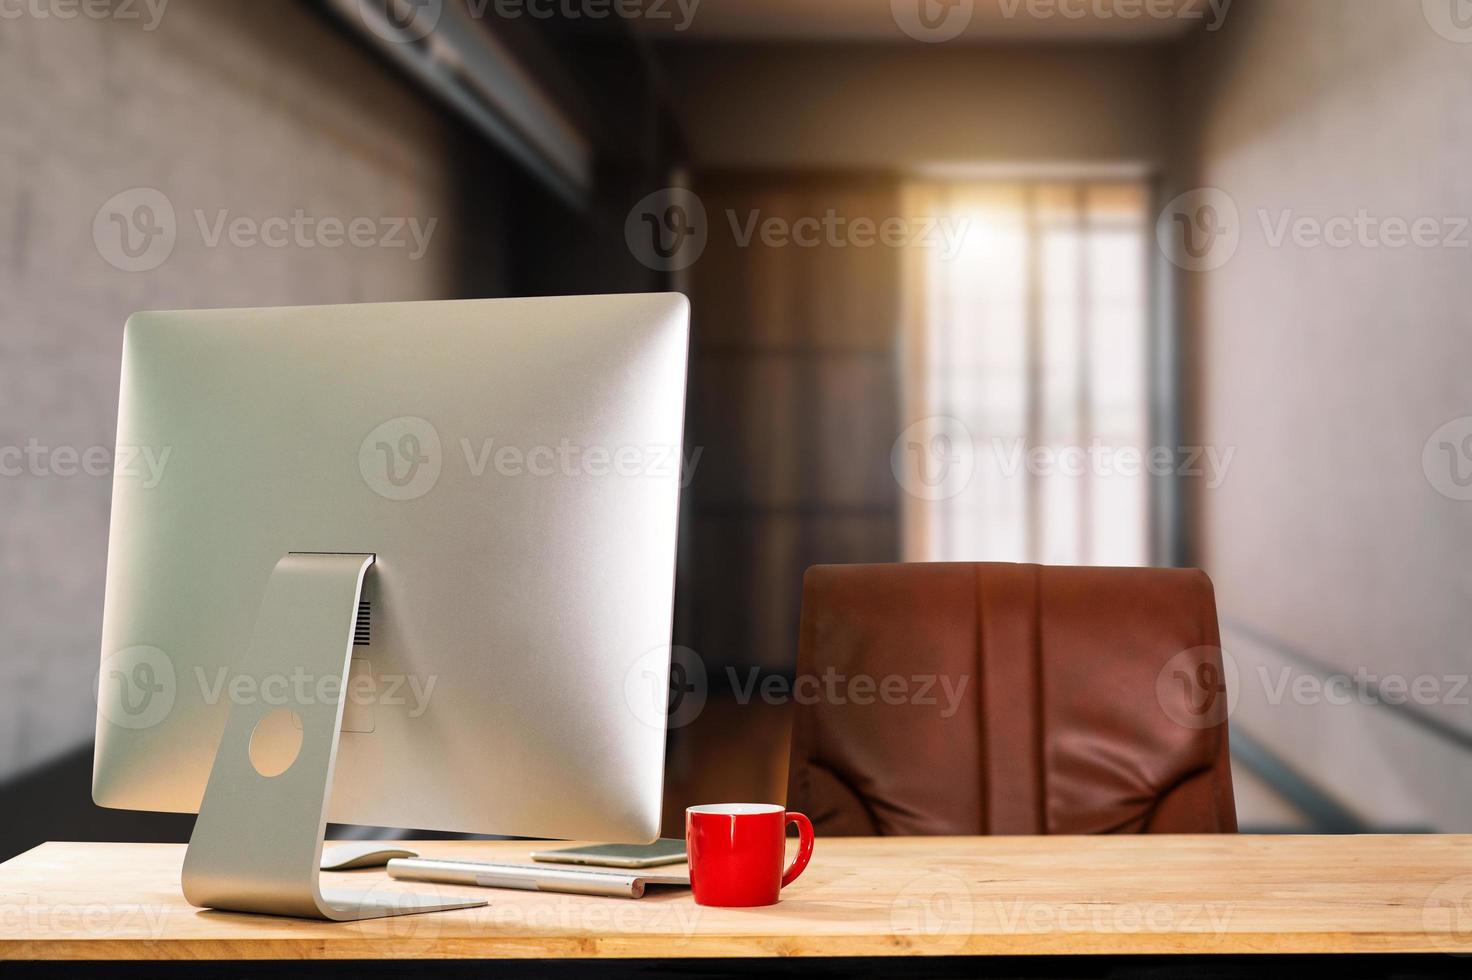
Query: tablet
x=664, y=851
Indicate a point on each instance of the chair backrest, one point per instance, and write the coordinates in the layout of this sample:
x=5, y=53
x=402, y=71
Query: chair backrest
x=1009, y=699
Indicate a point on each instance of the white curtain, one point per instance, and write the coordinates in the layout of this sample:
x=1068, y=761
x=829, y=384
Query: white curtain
x=1026, y=349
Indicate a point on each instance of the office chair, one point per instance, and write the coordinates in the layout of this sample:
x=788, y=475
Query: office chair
x=1010, y=699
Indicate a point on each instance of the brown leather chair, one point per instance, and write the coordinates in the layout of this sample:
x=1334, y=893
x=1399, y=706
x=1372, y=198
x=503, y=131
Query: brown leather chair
x=1009, y=699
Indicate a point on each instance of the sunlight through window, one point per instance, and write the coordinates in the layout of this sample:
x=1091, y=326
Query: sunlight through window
x=1032, y=335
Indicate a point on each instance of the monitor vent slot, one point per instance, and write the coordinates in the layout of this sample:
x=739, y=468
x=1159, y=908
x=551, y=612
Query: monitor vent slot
x=363, y=628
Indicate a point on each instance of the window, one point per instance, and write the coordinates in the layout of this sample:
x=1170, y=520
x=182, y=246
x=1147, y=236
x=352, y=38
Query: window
x=1028, y=337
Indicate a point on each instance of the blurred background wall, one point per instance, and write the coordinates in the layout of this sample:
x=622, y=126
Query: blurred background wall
x=1319, y=372
x=236, y=107
x=1336, y=553
x=219, y=111
x=1141, y=206
x=882, y=105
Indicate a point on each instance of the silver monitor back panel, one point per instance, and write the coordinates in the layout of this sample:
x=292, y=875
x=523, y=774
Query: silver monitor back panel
x=515, y=467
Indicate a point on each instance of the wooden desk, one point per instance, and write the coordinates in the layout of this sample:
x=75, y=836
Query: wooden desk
x=995, y=896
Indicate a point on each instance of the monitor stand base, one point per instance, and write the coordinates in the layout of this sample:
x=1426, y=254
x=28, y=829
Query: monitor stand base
x=257, y=845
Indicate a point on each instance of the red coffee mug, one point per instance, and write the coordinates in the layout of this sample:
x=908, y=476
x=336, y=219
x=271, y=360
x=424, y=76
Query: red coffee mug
x=736, y=852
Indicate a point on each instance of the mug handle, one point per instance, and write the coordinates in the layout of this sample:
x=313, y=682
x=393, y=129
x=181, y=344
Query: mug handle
x=804, y=846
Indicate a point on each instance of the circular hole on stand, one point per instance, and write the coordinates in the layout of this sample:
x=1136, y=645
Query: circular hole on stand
x=276, y=742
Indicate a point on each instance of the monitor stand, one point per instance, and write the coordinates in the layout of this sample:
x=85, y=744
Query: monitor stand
x=257, y=844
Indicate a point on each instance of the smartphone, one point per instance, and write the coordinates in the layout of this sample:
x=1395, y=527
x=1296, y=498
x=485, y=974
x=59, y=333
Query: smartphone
x=664, y=851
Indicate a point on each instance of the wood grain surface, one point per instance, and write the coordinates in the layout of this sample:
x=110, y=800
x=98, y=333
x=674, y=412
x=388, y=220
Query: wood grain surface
x=860, y=897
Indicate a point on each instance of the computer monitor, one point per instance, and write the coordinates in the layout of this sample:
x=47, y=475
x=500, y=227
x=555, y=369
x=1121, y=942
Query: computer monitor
x=473, y=504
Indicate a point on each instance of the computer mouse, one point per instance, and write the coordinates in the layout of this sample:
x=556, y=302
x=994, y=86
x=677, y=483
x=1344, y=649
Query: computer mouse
x=362, y=854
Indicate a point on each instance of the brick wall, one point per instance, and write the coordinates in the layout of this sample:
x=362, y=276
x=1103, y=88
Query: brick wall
x=253, y=109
